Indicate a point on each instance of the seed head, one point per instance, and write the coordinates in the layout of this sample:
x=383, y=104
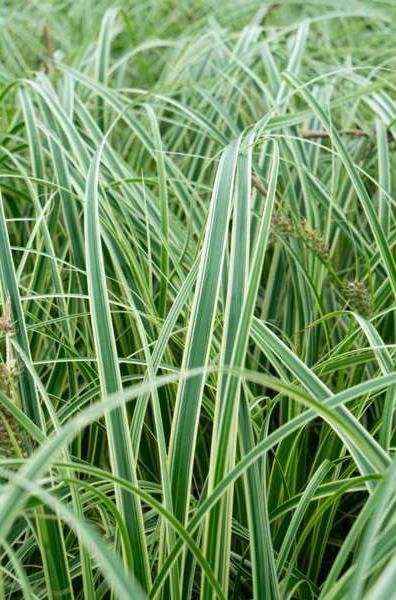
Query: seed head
x=5, y=322
x=315, y=240
x=358, y=297
x=14, y=441
x=282, y=224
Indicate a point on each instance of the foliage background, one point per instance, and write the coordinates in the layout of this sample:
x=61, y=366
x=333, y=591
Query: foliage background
x=198, y=281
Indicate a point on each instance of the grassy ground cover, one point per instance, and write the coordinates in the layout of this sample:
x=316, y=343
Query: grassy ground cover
x=198, y=280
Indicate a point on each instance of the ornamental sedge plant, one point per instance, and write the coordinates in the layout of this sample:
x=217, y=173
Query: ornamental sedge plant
x=198, y=286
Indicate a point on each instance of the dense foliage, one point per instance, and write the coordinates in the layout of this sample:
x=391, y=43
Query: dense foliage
x=198, y=280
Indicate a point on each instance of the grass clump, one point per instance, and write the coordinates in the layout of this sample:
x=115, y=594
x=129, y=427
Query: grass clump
x=197, y=274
